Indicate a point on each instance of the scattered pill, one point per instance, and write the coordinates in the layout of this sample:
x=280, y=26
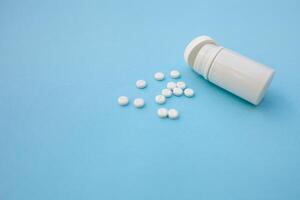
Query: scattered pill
x=188, y=92
x=160, y=99
x=166, y=92
x=123, y=100
x=139, y=103
x=175, y=74
x=181, y=85
x=141, y=84
x=159, y=76
x=177, y=91
x=171, y=85
x=162, y=112
x=173, y=113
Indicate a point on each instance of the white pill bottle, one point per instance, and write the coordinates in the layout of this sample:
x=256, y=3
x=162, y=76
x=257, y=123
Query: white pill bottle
x=228, y=69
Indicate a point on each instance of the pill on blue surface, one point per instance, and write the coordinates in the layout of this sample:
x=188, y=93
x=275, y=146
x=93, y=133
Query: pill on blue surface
x=188, y=92
x=162, y=112
x=171, y=85
x=159, y=76
x=123, y=100
x=181, y=85
x=175, y=74
x=160, y=99
x=139, y=103
x=166, y=92
x=177, y=91
x=141, y=84
x=173, y=113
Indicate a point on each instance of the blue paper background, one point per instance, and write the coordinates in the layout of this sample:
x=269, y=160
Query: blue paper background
x=62, y=135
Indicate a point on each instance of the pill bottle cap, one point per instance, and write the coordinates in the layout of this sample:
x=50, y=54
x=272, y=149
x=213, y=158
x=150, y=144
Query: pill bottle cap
x=192, y=49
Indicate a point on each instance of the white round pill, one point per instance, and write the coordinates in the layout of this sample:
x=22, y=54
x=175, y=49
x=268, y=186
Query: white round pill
x=162, y=112
x=188, y=92
x=141, y=84
x=166, y=92
x=171, y=85
x=181, y=85
x=159, y=76
x=139, y=103
x=123, y=100
x=175, y=74
x=160, y=99
x=177, y=91
x=173, y=113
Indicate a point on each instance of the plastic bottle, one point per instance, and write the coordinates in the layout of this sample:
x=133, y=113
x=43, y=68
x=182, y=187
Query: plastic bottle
x=228, y=69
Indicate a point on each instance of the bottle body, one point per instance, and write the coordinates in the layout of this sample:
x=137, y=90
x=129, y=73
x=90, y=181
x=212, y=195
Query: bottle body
x=240, y=75
x=233, y=72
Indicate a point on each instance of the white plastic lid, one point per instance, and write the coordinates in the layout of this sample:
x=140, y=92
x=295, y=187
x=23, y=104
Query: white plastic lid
x=194, y=47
